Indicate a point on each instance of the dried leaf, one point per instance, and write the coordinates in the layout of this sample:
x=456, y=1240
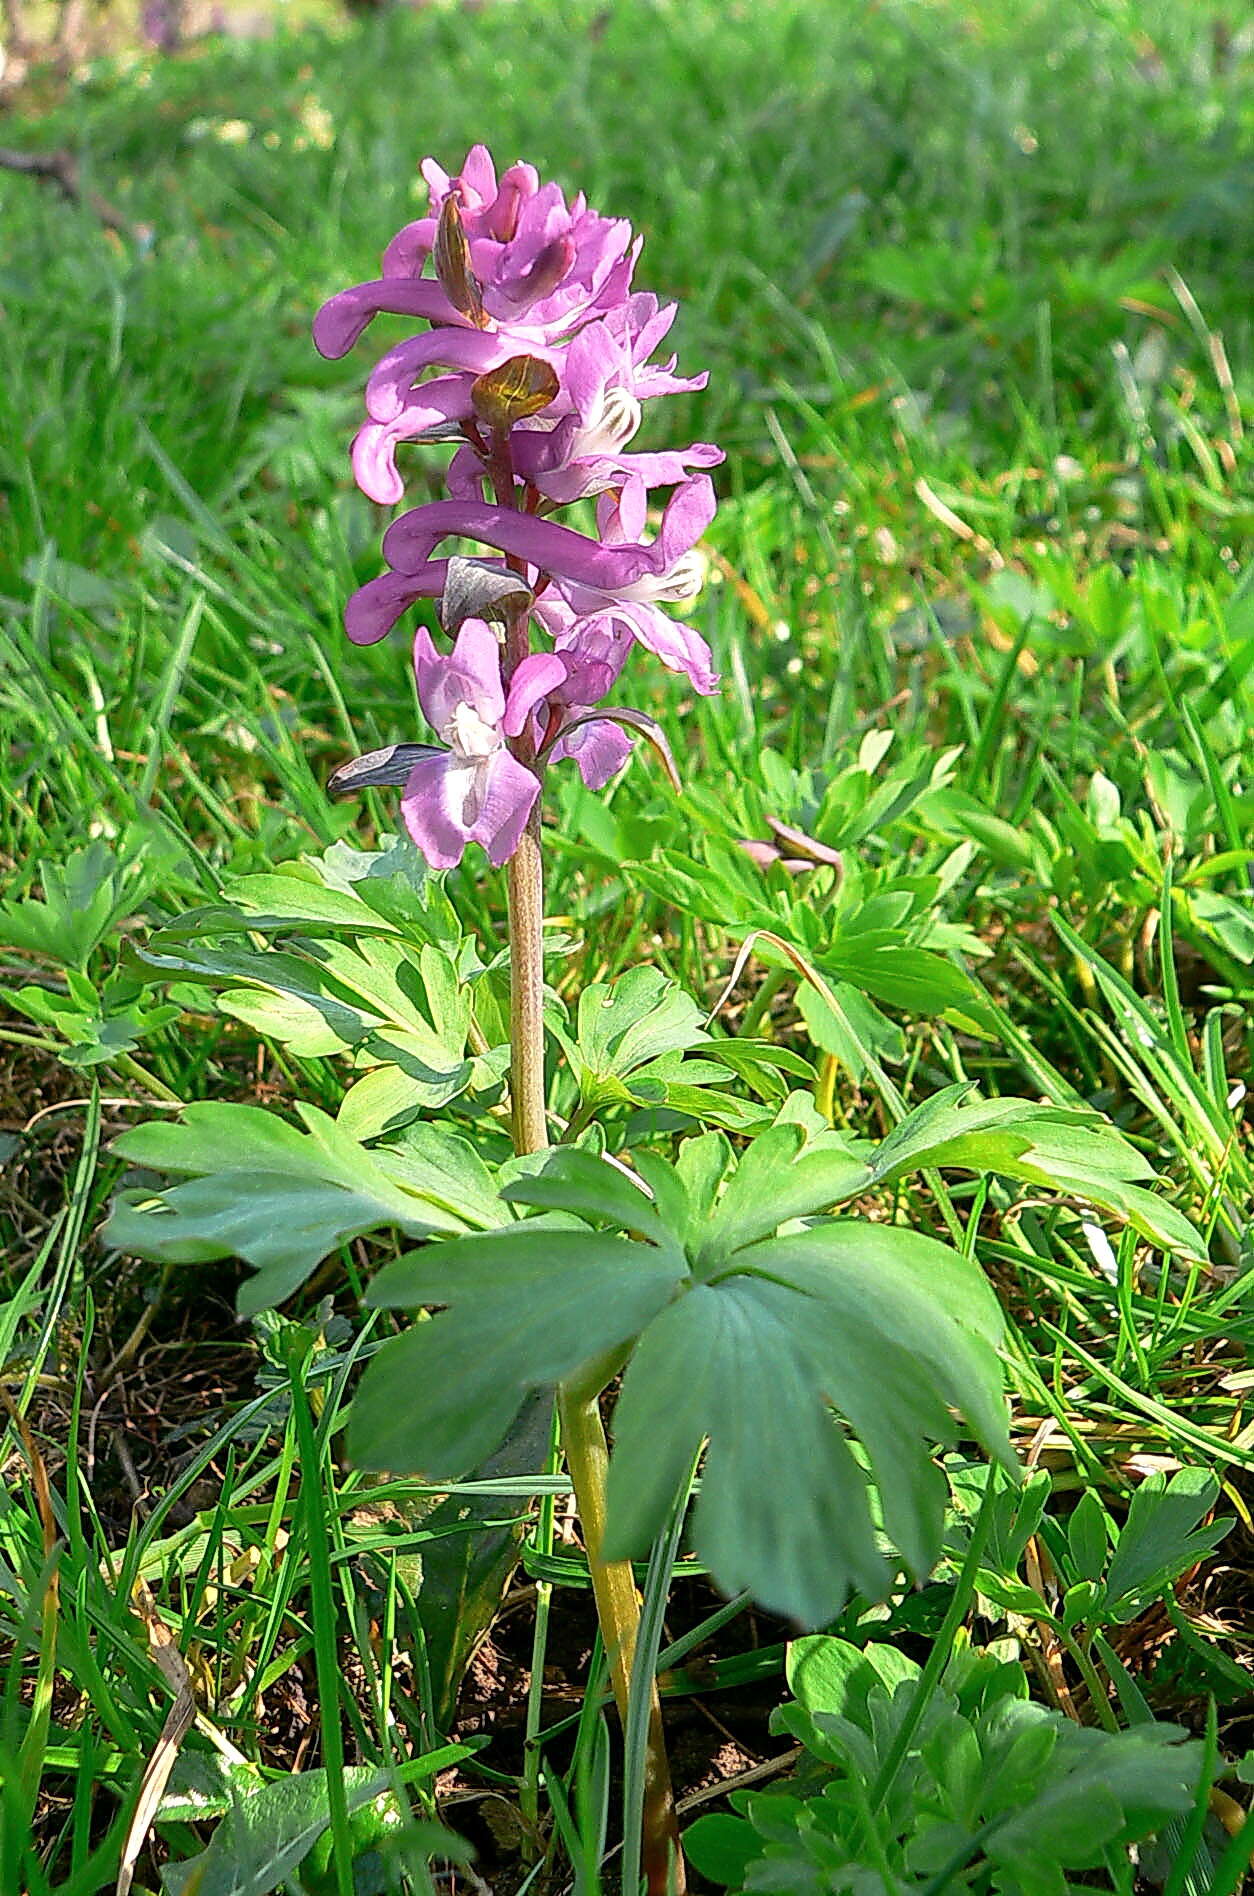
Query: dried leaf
x=474, y=589
x=452, y=265
x=179, y=1721
x=375, y=768
x=512, y=391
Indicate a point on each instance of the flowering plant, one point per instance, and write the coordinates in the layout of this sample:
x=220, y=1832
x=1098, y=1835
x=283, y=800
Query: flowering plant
x=808, y=1359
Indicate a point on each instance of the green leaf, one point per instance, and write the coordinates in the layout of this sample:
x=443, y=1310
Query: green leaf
x=258, y=1189
x=310, y=1029
x=83, y=897
x=829, y=1675
x=1086, y=1538
x=918, y=980
x=388, y=1098
x=858, y=1028
x=264, y=1836
x=891, y=1327
x=1117, y=1789
x=624, y=1024
x=1161, y=1538
x=270, y=901
x=1078, y=1153
x=721, y=1848
x=436, y=1163
x=527, y=1309
x=778, y=1179
x=592, y=1187
x=783, y=1510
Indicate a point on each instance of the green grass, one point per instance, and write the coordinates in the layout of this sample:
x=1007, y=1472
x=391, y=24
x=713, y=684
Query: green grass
x=968, y=279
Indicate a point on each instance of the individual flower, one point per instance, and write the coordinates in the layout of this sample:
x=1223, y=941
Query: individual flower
x=476, y=790
x=635, y=604
x=594, y=652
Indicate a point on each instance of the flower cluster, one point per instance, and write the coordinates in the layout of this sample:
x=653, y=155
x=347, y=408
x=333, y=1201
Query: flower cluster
x=536, y=362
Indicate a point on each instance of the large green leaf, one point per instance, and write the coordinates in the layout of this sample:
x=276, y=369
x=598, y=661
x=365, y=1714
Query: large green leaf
x=257, y=1188
x=889, y=1326
x=1077, y=1153
x=783, y=1509
x=528, y=1307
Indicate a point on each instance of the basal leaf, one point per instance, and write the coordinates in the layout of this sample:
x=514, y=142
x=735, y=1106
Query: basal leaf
x=592, y=1187
x=528, y=1307
x=264, y=1835
x=256, y=1188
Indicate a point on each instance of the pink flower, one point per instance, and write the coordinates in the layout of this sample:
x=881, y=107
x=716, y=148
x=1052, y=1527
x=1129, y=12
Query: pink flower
x=628, y=577
x=594, y=651
x=476, y=791
x=634, y=604
x=541, y=265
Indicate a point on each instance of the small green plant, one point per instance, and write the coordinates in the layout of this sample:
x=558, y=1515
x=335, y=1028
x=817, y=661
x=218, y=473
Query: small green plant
x=962, y=1783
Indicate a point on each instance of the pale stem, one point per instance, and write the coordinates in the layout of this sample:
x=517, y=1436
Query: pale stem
x=526, y=990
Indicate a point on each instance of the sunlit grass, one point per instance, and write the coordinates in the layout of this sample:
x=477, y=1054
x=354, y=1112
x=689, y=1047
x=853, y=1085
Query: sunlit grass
x=968, y=283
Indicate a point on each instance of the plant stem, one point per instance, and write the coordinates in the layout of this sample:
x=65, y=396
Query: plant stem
x=759, y=1007
x=618, y=1611
x=583, y=1436
x=526, y=991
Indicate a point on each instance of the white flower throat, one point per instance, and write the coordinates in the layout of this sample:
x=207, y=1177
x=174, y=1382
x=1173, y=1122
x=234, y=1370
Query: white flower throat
x=683, y=580
x=613, y=421
x=470, y=736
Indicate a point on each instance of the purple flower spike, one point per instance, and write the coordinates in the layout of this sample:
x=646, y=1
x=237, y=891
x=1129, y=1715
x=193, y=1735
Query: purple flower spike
x=537, y=363
x=476, y=791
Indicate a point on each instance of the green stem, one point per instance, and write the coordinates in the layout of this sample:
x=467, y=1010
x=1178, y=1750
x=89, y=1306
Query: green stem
x=124, y=1063
x=1099, y=1697
x=583, y=1436
x=618, y=1611
x=529, y=1790
x=760, y=1006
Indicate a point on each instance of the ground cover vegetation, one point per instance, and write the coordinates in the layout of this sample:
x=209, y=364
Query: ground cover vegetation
x=934, y=973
